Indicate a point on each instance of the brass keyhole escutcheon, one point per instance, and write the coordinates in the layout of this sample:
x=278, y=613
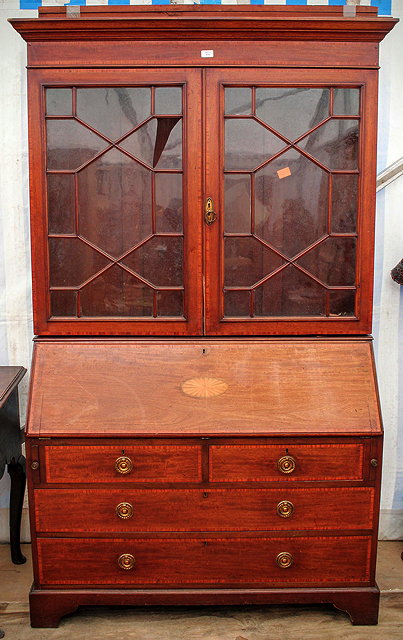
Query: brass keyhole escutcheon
x=123, y=465
x=285, y=509
x=284, y=560
x=124, y=510
x=286, y=464
x=126, y=561
x=210, y=215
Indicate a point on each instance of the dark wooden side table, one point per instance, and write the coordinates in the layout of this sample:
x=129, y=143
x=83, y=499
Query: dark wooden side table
x=11, y=452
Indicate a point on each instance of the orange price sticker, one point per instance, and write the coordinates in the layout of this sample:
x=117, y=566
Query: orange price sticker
x=284, y=173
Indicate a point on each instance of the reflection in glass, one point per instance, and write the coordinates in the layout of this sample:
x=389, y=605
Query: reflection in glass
x=236, y=303
x=237, y=204
x=59, y=102
x=334, y=144
x=342, y=303
x=158, y=143
x=72, y=262
x=159, y=261
x=247, y=261
x=116, y=293
x=290, y=293
x=346, y=102
x=344, y=203
x=238, y=101
x=168, y=100
x=332, y=261
x=114, y=202
x=61, y=203
x=291, y=203
x=114, y=111
x=70, y=144
x=170, y=303
x=63, y=303
x=168, y=202
x=248, y=144
x=292, y=111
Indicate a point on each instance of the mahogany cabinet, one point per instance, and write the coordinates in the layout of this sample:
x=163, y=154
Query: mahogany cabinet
x=202, y=181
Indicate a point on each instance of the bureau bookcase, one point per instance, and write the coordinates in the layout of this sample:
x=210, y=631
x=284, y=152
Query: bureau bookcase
x=203, y=425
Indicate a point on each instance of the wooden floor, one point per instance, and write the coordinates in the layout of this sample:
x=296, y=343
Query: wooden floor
x=207, y=623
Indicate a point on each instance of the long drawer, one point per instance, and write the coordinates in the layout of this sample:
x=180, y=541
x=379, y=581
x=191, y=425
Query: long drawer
x=140, y=463
x=184, y=561
x=268, y=462
x=125, y=510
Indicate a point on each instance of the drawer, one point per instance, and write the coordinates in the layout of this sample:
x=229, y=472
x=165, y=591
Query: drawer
x=129, y=510
x=264, y=463
x=184, y=561
x=141, y=463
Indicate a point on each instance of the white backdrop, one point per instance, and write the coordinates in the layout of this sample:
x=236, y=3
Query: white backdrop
x=15, y=295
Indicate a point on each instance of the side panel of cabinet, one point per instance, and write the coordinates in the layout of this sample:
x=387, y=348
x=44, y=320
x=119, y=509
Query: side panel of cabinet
x=291, y=168
x=115, y=160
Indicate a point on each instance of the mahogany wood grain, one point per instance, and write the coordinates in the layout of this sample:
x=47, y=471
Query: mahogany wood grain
x=258, y=463
x=97, y=463
x=188, y=53
x=229, y=561
x=199, y=510
x=47, y=606
x=134, y=387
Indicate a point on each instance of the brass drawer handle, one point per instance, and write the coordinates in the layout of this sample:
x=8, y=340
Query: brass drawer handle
x=126, y=561
x=123, y=465
x=284, y=560
x=124, y=510
x=285, y=509
x=286, y=464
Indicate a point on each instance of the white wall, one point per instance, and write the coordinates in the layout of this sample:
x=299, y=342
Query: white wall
x=15, y=297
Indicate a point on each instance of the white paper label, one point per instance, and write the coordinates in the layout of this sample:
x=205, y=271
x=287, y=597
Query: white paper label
x=207, y=53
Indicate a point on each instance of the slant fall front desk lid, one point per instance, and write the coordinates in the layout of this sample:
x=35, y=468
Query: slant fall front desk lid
x=129, y=387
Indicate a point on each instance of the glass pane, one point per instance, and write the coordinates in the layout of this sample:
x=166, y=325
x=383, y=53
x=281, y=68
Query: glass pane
x=248, y=144
x=168, y=100
x=158, y=143
x=247, y=261
x=237, y=204
x=344, y=203
x=114, y=202
x=238, y=101
x=236, y=303
x=342, y=303
x=59, y=102
x=346, y=102
x=63, y=303
x=168, y=202
x=170, y=303
x=70, y=144
x=61, y=203
x=159, y=261
x=116, y=293
x=334, y=144
x=290, y=293
x=114, y=111
x=291, y=203
x=333, y=261
x=72, y=262
x=292, y=111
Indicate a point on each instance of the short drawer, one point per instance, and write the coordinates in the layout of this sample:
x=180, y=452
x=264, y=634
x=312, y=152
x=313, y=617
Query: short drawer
x=184, y=561
x=264, y=463
x=117, y=510
x=141, y=463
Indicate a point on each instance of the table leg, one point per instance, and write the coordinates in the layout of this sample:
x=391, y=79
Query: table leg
x=18, y=479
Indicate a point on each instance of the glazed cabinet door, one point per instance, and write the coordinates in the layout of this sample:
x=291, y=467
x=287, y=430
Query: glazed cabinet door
x=116, y=200
x=290, y=170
